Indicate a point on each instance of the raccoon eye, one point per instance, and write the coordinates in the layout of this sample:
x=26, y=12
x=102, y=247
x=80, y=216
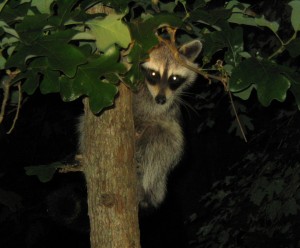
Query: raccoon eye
x=152, y=76
x=174, y=78
x=175, y=81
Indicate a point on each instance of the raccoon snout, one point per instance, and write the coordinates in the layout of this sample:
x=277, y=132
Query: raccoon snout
x=160, y=99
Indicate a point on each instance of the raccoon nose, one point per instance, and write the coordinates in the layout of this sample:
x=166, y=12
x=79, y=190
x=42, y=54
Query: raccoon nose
x=160, y=99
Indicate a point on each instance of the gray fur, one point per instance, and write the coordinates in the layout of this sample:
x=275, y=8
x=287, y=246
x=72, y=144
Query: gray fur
x=159, y=138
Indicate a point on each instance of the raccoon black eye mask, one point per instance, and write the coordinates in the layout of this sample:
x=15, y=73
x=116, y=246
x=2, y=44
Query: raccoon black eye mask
x=153, y=77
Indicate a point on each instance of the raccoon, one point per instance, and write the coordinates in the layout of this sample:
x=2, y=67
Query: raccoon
x=159, y=139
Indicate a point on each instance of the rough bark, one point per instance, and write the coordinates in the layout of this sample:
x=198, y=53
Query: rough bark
x=111, y=175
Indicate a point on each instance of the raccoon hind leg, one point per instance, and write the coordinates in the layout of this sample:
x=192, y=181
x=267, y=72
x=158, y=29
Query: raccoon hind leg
x=157, y=151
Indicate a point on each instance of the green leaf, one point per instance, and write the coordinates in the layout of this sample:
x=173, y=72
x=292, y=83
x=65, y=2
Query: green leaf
x=42, y=6
x=267, y=77
x=143, y=30
x=118, y=5
x=83, y=36
x=3, y=4
x=134, y=76
x=64, y=9
x=50, y=78
x=8, y=29
x=110, y=30
x=61, y=55
x=216, y=18
x=214, y=42
x=238, y=16
x=241, y=19
x=31, y=27
x=234, y=42
x=245, y=94
x=294, y=48
x=50, y=82
x=32, y=82
x=229, y=38
x=14, y=11
x=263, y=22
x=87, y=80
x=295, y=20
x=44, y=172
x=137, y=54
x=168, y=7
x=2, y=62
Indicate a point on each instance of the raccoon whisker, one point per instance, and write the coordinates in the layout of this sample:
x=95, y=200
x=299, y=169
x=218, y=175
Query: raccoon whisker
x=180, y=102
x=188, y=94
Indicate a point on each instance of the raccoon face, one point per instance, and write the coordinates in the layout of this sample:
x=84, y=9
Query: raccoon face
x=165, y=76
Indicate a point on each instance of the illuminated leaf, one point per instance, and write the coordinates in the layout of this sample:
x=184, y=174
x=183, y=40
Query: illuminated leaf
x=42, y=6
x=61, y=55
x=295, y=14
x=238, y=16
x=268, y=78
x=88, y=81
x=110, y=30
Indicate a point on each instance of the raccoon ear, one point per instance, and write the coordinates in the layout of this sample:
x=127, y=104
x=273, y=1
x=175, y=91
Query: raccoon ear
x=191, y=49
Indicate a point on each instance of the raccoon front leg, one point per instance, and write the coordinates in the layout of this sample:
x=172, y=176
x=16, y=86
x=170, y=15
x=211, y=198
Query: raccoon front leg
x=158, y=149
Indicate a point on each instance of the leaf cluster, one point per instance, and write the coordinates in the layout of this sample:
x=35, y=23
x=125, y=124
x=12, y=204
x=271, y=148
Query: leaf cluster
x=257, y=203
x=58, y=47
x=229, y=35
x=52, y=45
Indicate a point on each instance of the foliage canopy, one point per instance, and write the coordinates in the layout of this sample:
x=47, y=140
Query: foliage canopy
x=57, y=46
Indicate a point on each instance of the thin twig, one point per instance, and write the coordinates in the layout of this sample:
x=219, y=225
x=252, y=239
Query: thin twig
x=70, y=168
x=6, y=86
x=236, y=116
x=283, y=45
x=77, y=166
x=18, y=108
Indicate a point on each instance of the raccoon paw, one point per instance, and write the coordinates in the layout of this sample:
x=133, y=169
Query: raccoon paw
x=146, y=201
x=152, y=199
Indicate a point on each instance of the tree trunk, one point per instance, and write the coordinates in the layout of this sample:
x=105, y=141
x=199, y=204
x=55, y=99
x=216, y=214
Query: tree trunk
x=108, y=163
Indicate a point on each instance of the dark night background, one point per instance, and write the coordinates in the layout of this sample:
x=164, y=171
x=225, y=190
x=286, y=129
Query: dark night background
x=54, y=214
x=47, y=214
